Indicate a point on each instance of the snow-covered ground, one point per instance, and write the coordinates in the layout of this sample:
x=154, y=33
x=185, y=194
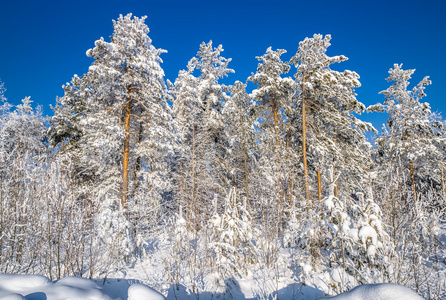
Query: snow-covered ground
x=378, y=292
x=36, y=287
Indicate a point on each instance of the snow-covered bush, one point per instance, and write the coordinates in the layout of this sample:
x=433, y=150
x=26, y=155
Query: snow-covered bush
x=232, y=238
x=178, y=260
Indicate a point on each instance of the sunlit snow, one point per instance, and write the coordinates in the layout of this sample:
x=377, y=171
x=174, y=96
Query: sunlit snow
x=378, y=292
x=36, y=287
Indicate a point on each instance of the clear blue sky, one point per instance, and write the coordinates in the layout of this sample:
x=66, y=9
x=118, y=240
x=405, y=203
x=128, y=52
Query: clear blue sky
x=43, y=43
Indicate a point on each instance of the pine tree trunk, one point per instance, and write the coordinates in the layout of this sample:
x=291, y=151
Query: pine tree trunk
x=125, y=160
x=336, y=189
x=319, y=185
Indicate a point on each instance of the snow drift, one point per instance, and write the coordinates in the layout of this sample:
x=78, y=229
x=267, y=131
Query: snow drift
x=36, y=287
x=378, y=292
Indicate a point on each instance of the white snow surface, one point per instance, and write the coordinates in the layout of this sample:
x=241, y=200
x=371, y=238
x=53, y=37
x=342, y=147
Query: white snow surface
x=378, y=292
x=140, y=291
x=36, y=287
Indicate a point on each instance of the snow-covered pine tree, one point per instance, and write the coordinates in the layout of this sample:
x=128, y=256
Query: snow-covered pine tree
x=129, y=119
x=409, y=158
x=413, y=133
x=118, y=118
x=65, y=134
x=240, y=119
x=184, y=108
x=128, y=101
x=197, y=106
x=65, y=129
x=325, y=117
x=273, y=95
x=322, y=124
x=22, y=130
x=22, y=155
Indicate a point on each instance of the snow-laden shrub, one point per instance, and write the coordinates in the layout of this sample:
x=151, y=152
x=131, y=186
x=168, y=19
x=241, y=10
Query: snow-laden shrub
x=232, y=240
x=359, y=241
x=178, y=259
x=340, y=234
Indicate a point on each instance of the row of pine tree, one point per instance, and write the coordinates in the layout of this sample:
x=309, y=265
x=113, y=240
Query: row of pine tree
x=224, y=182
